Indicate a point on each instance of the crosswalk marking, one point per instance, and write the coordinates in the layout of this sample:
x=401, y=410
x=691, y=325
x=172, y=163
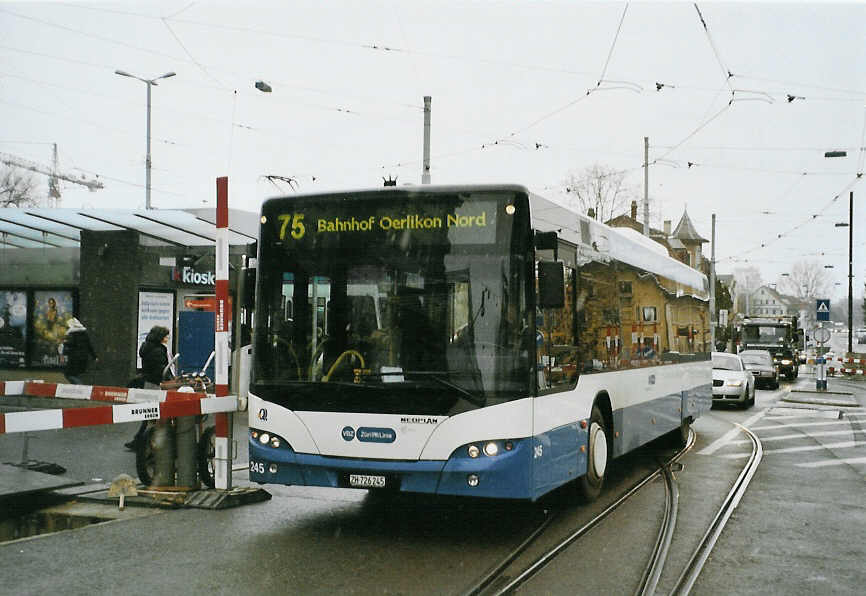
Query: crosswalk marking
x=834, y=462
x=800, y=425
x=842, y=445
x=724, y=439
x=828, y=433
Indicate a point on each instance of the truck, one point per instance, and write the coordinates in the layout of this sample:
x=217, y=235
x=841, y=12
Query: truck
x=779, y=335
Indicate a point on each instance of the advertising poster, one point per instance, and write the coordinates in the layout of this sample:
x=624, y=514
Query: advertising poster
x=155, y=308
x=13, y=328
x=51, y=311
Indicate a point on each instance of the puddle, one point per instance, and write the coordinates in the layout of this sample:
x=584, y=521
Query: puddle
x=41, y=522
x=46, y=514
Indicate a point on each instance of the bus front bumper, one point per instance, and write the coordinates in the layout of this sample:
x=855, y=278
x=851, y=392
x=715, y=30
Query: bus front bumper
x=505, y=476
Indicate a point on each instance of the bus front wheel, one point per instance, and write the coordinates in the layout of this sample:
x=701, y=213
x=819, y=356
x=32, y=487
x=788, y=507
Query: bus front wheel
x=598, y=452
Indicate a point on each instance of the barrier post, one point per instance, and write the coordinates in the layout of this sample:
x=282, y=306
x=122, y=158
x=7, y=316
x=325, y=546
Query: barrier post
x=223, y=438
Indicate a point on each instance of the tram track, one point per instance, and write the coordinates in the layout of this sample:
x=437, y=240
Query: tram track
x=495, y=581
x=488, y=583
x=692, y=570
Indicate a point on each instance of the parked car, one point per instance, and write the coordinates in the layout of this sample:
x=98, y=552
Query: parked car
x=732, y=383
x=760, y=364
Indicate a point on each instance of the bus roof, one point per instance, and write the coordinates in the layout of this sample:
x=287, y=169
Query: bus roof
x=622, y=244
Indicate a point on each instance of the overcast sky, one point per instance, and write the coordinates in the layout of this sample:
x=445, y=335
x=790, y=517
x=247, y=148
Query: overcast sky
x=509, y=83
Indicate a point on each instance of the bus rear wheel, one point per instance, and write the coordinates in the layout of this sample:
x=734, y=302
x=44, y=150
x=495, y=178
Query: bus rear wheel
x=598, y=453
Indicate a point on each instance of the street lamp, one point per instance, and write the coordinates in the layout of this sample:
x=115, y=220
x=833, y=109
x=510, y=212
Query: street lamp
x=147, y=164
x=850, y=226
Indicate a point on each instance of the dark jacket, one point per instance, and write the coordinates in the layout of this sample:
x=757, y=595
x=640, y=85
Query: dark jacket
x=77, y=348
x=154, y=358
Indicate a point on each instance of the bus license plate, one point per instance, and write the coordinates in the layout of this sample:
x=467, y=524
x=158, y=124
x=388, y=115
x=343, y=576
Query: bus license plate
x=366, y=481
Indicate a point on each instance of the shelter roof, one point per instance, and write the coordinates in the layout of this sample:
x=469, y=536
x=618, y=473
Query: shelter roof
x=36, y=228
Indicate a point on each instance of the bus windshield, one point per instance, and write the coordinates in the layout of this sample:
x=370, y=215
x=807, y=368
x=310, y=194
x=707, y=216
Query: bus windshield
x=407, y=302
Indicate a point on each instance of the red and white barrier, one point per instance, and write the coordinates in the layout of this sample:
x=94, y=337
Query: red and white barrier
x=92, y=392
x=181, y=404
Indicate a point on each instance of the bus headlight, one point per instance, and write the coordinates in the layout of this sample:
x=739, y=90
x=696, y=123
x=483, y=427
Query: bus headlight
x=275, y=442
x=473, y=451
x=472, y=480
x=264, y=438
x=491, y=449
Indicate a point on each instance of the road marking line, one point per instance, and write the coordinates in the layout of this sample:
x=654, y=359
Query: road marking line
x=828, y=433
x=728, y=436
x=799, y=425
x=834, y=462
x=842, y=445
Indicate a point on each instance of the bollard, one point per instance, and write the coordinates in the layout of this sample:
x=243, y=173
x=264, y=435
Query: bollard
x=163, y=451
x=820, y=376
x=185, y=439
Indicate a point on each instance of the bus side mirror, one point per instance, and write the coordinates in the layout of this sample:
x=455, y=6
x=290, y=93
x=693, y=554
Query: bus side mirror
x=545, y=240
x=551, y=284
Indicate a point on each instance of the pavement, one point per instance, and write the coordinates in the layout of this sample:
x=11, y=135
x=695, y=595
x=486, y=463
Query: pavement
x=839, y=394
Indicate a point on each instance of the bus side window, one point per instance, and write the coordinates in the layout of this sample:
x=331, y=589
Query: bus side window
x=556, y=352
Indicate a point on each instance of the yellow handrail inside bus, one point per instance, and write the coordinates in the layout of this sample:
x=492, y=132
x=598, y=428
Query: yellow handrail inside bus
x=340, y=359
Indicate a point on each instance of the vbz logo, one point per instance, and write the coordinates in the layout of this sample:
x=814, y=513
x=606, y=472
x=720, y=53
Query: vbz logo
x=348, y=433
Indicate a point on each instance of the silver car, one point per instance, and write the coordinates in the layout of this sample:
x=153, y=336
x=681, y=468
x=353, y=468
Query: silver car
x=732, y=383
x=760, y=364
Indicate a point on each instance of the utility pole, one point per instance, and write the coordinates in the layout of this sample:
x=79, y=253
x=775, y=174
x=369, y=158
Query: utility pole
x=850, y=269
x=646, y=186
x=425, y=173
x=713, y=317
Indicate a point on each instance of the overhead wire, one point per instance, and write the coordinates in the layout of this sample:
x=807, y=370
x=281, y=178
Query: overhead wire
x=612, y=46
x=725, y=70
x=807, y=220
x=530, y=125
x=191, y=57
x=96, y=36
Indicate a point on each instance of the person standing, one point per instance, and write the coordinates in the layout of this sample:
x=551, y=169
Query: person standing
x=154, y=360
x=154, y=356
x=78, y=350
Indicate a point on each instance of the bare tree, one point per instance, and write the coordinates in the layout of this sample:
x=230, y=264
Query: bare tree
x=748, y=278
x=17, y=188
x=599, y=188
x=806, y=280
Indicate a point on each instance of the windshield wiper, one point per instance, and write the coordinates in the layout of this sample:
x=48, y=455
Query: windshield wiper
x=436, y=375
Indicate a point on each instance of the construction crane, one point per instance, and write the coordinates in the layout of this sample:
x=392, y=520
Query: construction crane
x=54, y=177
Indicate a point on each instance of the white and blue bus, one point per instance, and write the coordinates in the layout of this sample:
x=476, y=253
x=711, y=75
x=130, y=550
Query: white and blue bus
x=465, y=340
